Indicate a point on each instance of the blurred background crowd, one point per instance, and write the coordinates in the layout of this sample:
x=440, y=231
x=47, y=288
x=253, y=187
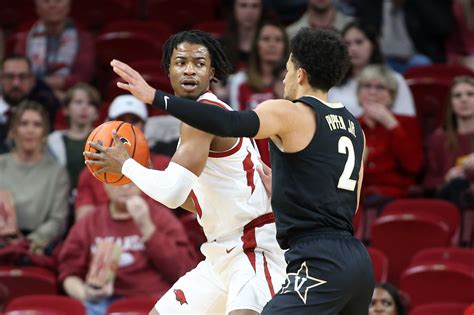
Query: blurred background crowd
x=411, y=85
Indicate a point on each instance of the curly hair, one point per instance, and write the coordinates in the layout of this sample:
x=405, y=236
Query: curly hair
x=322, y=54
x=219, y=61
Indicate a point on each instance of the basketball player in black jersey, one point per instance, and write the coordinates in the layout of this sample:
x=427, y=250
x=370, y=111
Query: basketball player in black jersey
x=316, y=153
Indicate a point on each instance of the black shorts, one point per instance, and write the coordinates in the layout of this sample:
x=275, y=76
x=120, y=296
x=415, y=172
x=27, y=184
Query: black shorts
x=328, y=273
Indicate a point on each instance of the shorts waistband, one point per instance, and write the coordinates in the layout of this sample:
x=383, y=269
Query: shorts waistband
x=260, y=221
x=318, y=233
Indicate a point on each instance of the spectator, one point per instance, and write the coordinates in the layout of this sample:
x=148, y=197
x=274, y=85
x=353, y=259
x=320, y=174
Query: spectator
x=243, y=22
x=320, y=13
x=81, y=106
x=155, y=249
x=460, y=45
x=17, y=85
x=449, y=146
x=62, y=54
x=394, y=150
x=254, y=84
x=38, y=183
x=386, y=300
x=90, y=191
x=364, y=50
x=410, y=32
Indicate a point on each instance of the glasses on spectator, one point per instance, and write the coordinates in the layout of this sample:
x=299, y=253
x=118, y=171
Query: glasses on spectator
x=376, y=87
x=13, y=76
x=461, y=94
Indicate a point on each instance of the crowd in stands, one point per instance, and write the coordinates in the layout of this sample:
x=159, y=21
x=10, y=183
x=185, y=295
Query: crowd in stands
x=410, y=85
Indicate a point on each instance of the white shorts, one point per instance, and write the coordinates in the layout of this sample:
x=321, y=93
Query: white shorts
x=242, y=271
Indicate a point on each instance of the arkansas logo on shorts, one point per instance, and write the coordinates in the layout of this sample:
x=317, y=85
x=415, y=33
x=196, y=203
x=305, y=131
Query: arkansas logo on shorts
x=180, y=296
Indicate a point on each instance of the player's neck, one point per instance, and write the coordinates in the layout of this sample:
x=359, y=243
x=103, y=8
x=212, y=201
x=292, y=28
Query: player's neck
x=309, y=91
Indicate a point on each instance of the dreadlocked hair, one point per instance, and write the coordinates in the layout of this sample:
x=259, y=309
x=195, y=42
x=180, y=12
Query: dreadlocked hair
x=219, y=61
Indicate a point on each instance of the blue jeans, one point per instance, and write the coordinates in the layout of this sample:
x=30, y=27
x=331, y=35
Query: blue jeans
x=99, y=307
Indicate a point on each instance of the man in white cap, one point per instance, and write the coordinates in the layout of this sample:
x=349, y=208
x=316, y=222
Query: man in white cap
x=90, y=191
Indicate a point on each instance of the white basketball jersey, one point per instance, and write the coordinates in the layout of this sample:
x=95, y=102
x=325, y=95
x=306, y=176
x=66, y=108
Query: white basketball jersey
x=229, y=193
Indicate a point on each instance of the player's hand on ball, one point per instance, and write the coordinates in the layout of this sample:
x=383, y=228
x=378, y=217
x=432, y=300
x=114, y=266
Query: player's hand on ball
x=134, y=82
x=110, y=159
x=140, y=213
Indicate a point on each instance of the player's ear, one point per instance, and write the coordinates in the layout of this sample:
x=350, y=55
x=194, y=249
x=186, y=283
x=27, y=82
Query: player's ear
x=213, y=72
x=300, y=75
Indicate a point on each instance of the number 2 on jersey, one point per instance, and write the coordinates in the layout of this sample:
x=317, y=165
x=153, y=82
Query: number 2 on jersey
x=345, y=146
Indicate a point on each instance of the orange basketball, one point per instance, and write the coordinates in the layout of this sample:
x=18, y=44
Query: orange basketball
x=131, y=136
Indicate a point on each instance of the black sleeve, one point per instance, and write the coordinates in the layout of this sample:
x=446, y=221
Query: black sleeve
x=209, y=118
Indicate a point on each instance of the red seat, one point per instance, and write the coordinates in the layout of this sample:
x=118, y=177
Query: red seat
x=148, y=66
x=438, y=283
x=132, y=305
x=27, y=280
x=94, y=14
x=430, y=96
x=155, y=29
x=446, y=210
x=439, y=309
x=45, y=304
x=15, y=12
x=4, y=296
x=463, y=256
x=400, y=236
x=441, y=71
x=216, y=28
x=379, y=263
x=182, y=16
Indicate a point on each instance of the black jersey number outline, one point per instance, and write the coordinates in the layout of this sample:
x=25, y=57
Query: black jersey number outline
x=345, y=146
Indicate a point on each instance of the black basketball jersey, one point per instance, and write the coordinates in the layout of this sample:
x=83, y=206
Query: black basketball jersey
x=316, y=188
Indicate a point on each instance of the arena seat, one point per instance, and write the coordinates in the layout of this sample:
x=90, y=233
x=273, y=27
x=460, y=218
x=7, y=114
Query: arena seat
x=22, y=281
x=43, y=304
x=445, y=72
x=155, y=29
x=132, y=305
x=4, y=296
x=379, y=263
x=156, y=80
x=216, y=28
x=438, y=283
x=94, y=14
x=456, y=255
x=400, y=236
x=16, y=12
x=182, y=16
x=430, y=96
x=446, y=210
x=439, y=309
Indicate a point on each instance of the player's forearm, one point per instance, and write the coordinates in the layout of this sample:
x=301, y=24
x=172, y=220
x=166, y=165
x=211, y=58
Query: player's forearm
x=170, y=187
x=209, y=118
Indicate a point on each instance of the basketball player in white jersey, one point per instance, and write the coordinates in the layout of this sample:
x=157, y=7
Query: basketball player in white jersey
x=217, y=179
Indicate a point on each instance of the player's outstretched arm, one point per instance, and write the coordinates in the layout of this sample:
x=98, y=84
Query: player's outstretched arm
x=209, y=118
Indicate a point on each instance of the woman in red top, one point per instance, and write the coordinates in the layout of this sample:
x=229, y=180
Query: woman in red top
x=449, y=146
x=394, y=149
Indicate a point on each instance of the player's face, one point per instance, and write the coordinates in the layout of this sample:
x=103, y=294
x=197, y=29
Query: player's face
x=290, y=81
x=53, y=11
x=17, y=80
x=271, y=45
x=359, y=47
x=247, y=12
x=80, y=110
x=462, y=100
x=374, y=92
x=30, y=132
x=382, y=303
x=190, y=70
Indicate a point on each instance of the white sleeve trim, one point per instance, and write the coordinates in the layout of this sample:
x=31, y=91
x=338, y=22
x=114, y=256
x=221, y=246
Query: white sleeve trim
x=170, y=187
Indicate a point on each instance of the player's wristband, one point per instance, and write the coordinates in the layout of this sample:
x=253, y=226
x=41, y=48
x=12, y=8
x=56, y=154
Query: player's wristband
x=209, y=118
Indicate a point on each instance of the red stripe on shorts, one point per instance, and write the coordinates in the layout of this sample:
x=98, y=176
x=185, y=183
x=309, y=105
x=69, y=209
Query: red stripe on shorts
x=196, y=203
x=267, y=275
x=248, y=238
